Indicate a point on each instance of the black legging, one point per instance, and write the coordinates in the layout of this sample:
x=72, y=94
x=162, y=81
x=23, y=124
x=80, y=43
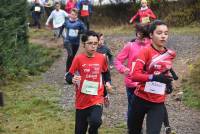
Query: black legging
x=155, y=116
x=90, y=116
x=71, y=51
x=85, y=20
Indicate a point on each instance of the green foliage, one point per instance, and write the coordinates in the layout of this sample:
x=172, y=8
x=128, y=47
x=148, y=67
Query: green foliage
x=192, y=87
x=13, y=36
x=17, y=57
x=113, y=15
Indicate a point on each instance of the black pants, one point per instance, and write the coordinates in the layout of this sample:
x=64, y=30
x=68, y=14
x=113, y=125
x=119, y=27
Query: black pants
x=155, y=116
x=71, y=51
x=90, y=116
x=36, y=19
x=85, y=20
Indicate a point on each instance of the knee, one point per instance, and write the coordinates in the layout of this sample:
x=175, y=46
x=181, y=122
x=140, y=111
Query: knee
x=95, y=122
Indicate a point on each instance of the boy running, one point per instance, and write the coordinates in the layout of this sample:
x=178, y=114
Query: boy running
x=86, y=74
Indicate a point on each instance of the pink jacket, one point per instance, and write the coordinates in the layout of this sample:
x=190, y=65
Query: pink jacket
x=130, y=53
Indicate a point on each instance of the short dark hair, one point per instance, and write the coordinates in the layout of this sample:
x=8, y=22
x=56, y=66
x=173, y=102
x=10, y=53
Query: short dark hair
x=85, y=36
x=57, y=3
x=154, y=24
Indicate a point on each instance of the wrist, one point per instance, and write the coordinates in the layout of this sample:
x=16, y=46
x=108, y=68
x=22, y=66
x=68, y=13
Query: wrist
x=150, y=77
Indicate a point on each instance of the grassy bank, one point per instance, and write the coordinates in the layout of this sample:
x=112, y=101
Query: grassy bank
x=191, y=86
x=36, y=110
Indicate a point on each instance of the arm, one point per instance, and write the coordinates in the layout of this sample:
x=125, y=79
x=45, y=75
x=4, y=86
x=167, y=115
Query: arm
x=151, y=14
x=69, y=76
x=66, y=14
x=121, y=58
x=134, y=17
x=110, y=56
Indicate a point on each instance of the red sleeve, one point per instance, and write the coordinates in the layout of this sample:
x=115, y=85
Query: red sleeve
x=139, y=74
x=152, y=15
x=74, y=66
x=135, y=16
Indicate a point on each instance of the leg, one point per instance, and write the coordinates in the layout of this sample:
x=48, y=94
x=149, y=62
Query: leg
x=94, y=119
x=155, y=117
x=68, y=46
x=74, y=49
x=81, y=123
x=166, y=121
x=87, y=22
x=136, y=116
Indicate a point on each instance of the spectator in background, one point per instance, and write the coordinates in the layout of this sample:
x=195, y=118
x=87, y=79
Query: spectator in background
x=145, y=14
x=48, y=6
x=85, y=11
x=70, y=4
x=37, y=10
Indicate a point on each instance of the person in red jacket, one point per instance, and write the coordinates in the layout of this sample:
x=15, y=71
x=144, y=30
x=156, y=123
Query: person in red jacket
x=70, y=4
x=152, y=72
x=88, y=72
x=145, y=14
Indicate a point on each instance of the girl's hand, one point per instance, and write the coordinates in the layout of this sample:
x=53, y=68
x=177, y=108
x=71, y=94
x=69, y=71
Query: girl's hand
x=126, y=71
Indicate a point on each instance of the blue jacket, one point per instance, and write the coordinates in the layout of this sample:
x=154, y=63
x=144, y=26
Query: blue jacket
x=74, y=29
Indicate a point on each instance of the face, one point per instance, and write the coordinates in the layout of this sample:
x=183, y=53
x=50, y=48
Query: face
x=160, y=36
x=91, y=45
x=143, y=3
x=57, y=6
x=101, y=40
x=74, y=15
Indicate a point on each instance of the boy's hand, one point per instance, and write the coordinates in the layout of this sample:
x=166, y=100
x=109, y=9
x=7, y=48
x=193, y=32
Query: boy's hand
x=109, y=87
x=106, y=101
x=76, y=79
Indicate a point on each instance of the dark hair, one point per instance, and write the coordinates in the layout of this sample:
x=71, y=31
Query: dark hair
x=57, y=3
x=100, y=34
x=154, y=24
x=85, y=36
x=142, y=29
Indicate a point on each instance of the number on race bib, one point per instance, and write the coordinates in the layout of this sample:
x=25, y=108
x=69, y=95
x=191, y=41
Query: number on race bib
x=85, y=7
x=37, y=9
x=90, y=87
x=145, y=20
x=155, y=87
x=73, y=33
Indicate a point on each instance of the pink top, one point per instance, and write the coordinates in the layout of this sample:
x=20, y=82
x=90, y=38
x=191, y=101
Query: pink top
x=69, y=6
x=130, y=53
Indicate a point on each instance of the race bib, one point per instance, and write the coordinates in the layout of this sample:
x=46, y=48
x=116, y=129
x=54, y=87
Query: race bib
x=37, y=9
x=73, y=33
x=145, y=20
x=155, y=87
x=90, y=87
x=85, y=7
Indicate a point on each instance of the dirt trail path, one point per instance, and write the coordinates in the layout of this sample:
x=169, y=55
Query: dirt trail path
x=184, y=120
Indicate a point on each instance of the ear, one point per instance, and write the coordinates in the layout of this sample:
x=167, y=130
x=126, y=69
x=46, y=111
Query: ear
x=150, y=35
